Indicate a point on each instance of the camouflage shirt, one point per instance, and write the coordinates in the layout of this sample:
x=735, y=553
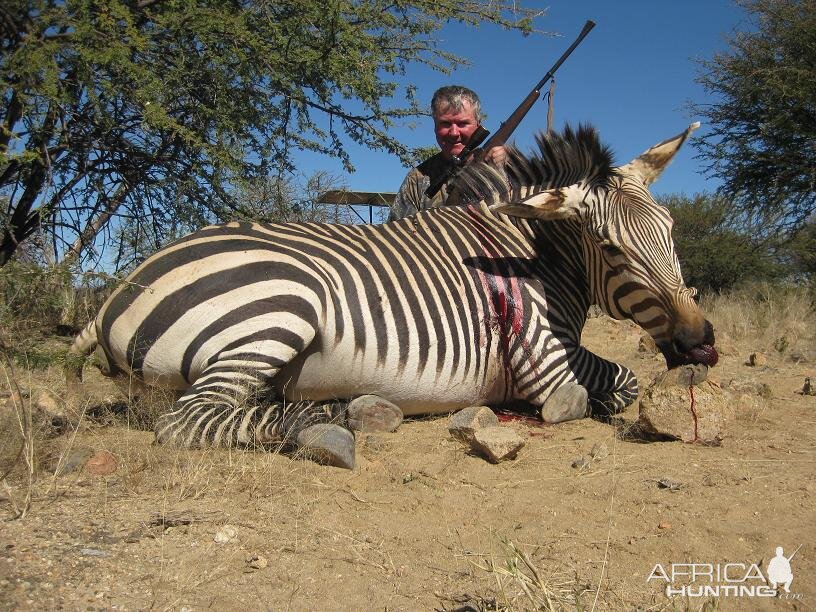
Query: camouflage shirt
x=411, y=197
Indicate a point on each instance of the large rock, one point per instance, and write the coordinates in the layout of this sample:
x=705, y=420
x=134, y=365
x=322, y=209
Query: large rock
x=371, y=413
x=682, y=404
x=497, y=443
x=464, y=424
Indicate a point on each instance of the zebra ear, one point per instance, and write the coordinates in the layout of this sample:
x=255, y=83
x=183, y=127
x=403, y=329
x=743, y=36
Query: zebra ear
x=547, y=205
x=650, y=164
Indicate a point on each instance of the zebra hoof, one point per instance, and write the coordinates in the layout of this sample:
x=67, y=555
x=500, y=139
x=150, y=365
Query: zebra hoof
x=567, y=403
x=327, y=444
x=370, y=413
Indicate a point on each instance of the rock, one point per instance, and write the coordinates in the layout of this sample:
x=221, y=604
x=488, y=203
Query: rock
x=666, y=483
x=257, y=561
x=327, y=444
x=467, y=421
x=497, y=443
x=692, y=413
x=369, y=413
x=567, y=403
x=73, y=461
x=686, y=375
x=664, y=525
x=757, y=360
x=599, y=451
x=226, y=534
x=750, y=386
x=102, y=463
x=646, y=345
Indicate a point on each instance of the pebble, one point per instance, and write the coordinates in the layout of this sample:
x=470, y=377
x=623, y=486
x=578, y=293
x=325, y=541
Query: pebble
x=757, y=360
x=599, y=451
x=102, y=463
x=257, y=561
x=227, y=533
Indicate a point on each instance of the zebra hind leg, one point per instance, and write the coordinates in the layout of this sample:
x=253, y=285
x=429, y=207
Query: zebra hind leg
x=232, y=411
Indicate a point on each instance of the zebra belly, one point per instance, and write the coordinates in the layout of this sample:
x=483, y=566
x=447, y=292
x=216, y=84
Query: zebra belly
x=337, y=375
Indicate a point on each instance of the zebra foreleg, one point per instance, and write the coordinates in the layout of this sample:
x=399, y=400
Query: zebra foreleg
x=610, y=386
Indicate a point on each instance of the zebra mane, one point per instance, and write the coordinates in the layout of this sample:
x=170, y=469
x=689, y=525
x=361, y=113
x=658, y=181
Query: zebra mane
x=561, y=160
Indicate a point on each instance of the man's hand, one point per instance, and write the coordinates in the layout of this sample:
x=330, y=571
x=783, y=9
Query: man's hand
x=496, y=156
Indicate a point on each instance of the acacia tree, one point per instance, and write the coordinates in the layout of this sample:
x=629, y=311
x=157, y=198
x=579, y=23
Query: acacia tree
x=151, y=109
x=762, y=142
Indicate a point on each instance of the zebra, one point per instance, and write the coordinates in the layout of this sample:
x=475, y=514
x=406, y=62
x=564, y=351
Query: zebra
x=263, y=328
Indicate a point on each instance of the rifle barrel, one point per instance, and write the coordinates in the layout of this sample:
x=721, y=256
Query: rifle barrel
x=551, y=72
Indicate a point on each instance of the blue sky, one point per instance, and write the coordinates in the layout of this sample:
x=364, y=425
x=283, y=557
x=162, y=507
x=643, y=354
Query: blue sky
x=632, y=78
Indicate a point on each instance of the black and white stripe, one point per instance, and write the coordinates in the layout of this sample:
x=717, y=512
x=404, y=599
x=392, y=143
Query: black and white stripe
x=263, y=326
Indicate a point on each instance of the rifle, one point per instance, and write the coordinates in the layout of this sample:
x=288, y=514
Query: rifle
x=507, y=127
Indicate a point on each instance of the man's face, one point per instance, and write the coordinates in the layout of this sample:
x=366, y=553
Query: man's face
x=454, y=128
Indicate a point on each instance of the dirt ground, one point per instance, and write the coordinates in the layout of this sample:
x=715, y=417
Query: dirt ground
x=421, y=524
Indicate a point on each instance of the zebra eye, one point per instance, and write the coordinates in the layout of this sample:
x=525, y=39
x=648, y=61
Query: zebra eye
x=611, y=249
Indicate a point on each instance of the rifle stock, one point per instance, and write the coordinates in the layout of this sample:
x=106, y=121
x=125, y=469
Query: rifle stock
x=507, y=127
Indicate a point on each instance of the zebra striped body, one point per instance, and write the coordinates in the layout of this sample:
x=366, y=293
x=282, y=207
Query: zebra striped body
x=453, y=307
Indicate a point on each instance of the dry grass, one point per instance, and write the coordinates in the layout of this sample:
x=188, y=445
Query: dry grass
x=771, y=318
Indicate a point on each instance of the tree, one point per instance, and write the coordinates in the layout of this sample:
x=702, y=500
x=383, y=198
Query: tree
x=762, y=143
x=713, y=255
x=154, y=108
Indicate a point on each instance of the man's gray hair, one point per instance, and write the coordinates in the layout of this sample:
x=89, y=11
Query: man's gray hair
x=451, y=97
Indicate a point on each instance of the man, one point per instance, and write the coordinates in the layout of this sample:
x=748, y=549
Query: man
x=456, y=112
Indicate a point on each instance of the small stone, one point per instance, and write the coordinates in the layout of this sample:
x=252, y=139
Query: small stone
x=757, y=360
x=371, y=413
x=599, y=451
x=102, y=463
x=327, y=444
x=664, y=525
x=646, y=345
x=580, y=463
x=566, y=403
x=227, y=533
x=665, y=483
x=750, y=385
x=497, y=443
x=75, y=460
x=257, y=561
x=464, y=424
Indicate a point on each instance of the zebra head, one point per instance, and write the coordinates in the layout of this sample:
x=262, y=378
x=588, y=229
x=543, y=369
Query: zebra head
x=632, y=267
